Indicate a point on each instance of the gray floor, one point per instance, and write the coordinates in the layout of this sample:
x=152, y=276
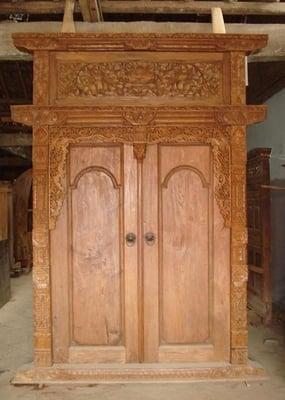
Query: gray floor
x=16, y=350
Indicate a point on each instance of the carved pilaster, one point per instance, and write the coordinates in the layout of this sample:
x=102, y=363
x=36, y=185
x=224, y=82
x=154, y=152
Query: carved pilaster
x=41, y=270
x=238, y=249
x=237, y=78
x=41, y=77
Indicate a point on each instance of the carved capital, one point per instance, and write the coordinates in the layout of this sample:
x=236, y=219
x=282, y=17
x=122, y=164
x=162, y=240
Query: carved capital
x=139, y=151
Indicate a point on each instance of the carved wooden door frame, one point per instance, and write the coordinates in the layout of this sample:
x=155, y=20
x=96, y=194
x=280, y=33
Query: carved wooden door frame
x=222, y=127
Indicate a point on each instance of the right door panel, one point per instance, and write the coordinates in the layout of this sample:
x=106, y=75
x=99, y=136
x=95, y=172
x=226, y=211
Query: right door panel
x=192, y=264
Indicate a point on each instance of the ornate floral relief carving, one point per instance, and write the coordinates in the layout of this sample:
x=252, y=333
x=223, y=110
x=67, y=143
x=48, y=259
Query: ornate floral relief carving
x=61, y=138
x=239, y=355
x=139, y=116
x=238, y=305
x=139, y=151
x=140, y=79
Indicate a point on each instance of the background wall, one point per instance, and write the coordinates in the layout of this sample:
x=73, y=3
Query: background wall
x=271, y=133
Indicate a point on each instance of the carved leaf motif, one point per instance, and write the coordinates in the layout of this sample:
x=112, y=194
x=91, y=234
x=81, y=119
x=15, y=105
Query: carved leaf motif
x=140, y=79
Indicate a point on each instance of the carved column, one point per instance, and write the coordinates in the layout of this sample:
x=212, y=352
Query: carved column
x=41, y=269
x=238, y=248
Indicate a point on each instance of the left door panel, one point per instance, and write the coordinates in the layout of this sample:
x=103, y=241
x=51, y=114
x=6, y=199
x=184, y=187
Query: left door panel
x=97, y=270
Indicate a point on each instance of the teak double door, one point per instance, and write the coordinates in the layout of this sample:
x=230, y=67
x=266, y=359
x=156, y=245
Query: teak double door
x=148, y=267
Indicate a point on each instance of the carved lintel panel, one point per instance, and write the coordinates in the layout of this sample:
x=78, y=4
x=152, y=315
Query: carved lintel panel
x=196, y=80
x=217, y=138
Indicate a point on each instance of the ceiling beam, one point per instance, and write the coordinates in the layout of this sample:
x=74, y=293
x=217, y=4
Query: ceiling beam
x=274, y=51
x=34, y=7
x=91, y=10
x=191, y=7
x=14, y=162
x=148, y=7
x=15, y=139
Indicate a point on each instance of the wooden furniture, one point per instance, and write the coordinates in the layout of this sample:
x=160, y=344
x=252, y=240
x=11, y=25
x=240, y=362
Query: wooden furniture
x=139, y=158
x=5, y=240
x=258, y=211
x=22, y=190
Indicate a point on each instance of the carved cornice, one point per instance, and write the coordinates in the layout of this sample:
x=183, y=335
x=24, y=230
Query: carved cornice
x=61, y=138
x=133, y=41
x=141, y=115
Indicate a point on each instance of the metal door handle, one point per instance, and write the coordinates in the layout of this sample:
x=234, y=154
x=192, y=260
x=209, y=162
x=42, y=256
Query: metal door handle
x=130, y=239
x=149, y=238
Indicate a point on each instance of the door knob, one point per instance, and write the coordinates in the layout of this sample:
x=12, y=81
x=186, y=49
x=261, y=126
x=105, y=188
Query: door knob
x=130, y=239
x=149, y=238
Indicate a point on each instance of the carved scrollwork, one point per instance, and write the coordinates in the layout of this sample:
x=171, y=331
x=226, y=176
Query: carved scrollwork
x=140, y=79
x=60, y=139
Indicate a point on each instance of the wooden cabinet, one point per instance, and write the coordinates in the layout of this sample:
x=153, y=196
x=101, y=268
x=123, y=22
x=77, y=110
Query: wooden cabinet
x=258, y=210
x=139, y=206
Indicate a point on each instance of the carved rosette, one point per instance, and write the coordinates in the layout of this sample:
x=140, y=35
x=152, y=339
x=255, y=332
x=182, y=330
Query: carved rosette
x=41, y=270
x=61, y=138
x=238, y=249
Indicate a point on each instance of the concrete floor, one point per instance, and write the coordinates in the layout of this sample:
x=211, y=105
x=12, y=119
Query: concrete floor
x=16, y=350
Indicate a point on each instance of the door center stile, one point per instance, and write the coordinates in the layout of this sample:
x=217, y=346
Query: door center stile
x=140, y=153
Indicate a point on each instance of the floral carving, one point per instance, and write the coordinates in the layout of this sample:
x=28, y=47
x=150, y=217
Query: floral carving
x=140, y=79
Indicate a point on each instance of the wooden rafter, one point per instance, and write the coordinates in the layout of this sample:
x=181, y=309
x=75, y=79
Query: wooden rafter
x=149, y=7
x=91, y=10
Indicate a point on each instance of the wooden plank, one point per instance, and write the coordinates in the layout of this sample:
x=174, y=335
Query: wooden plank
x=149, y=7
x=191, y=7
x=34, y=7
x=15, y=139
x=3, y=216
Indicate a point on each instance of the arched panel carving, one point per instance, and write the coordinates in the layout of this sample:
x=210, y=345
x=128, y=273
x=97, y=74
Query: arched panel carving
x=183, y=168
x=218, y=139
x=94, y=168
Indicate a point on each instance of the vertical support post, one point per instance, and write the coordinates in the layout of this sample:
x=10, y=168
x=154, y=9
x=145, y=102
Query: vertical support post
x=239, y=273
x=41, y=251
x=239, y=336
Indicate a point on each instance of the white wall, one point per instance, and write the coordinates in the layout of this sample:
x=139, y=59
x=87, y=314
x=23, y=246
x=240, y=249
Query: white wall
x=271, y=133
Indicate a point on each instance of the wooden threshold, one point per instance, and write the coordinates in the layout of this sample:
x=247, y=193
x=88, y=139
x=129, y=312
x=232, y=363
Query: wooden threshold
x=140, y=373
